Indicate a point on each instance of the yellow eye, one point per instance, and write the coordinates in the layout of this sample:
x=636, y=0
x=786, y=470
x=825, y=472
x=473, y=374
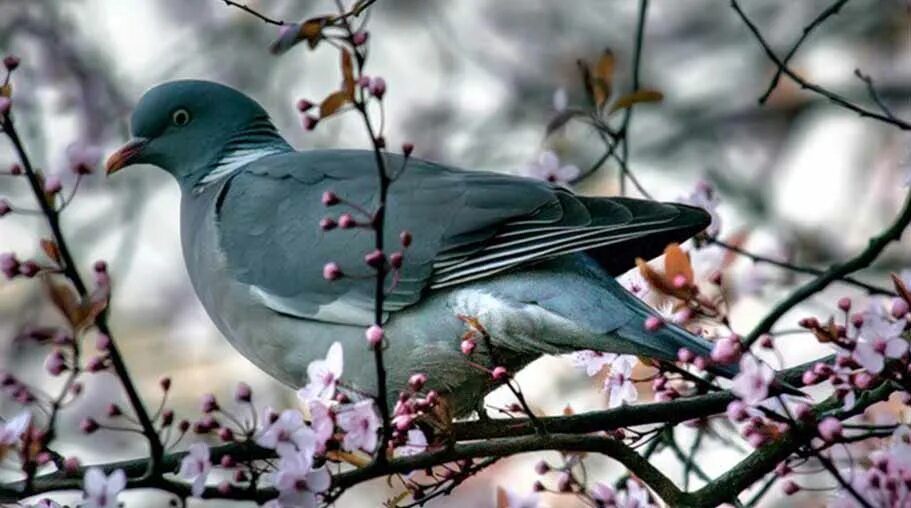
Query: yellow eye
x=180, y=117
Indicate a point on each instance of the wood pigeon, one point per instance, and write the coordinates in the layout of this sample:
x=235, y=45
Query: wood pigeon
x=528, y=262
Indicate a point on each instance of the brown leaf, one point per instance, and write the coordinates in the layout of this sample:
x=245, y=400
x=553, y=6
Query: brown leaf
x=50, y=249
x=312, y=30
x=90, y=310
x=502, y=498
x=901, y=288
x=636, y=97
x=347, y=74
x=568, y=410
x=65, y=299
x=6, y=90
x=677, y=262
x=332, y=103
x=586, y=73
x=654, y=279
x=602, y=78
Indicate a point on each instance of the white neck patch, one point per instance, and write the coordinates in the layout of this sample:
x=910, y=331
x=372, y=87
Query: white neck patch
x=234, y=160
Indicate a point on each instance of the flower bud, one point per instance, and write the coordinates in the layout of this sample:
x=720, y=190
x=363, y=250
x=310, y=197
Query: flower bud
x=468, y=346
x=407, y=148
x=209, y=404
x=726, y=350
x=359, y=38
x=378, y=87
x=327, y=224
x=653, y=323
x=243, y=393
x=844, y=304
x=52, y=185
x=346, y=221
x=416, y=381
x=405, y=238
x=331, y=271
x=829, y=428
x=5, y=207
x=329, y=199
x=395, y=260
x=88, y=425
x=303, y=105
x=11, y=62
x=499, y=373
x=375, y=259
x=374, y=335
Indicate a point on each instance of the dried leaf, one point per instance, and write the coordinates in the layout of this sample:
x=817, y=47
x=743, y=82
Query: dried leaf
x=676, y=263
x=654, y=279
x=636, y=97
x=604, y=68
x=50, y=249
x=347, y=74
x=312, y=30
x=586, y=73
x=901, y=288
x=66, y=300
x=502, y=498
x=6, y=90
x=90, y=310
x=332, y=103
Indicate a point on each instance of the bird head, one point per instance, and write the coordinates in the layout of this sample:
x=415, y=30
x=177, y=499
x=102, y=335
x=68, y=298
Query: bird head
x=192, y=129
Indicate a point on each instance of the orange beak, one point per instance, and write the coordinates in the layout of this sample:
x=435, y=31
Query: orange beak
x=125, y=155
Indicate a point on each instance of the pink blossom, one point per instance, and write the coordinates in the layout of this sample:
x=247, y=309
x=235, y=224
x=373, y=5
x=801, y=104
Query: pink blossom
x=196, y=466
x=752, y=383
x=321, y=423
x=620, y=389
x=323, y=374
x=331, y=271
x=101, y=491
x=548, y=167
x=879, y=339
x=360, y=424
x=594, y=362
x=298, y=484
x=635, y=496
x=83, y=158
x=288, y=434
x=374, y=335
x=518, y=500
x=726, y=350
x=12, y=430
x=704, y=197
x=829, y=428
x=603, y=493
x=415, y=444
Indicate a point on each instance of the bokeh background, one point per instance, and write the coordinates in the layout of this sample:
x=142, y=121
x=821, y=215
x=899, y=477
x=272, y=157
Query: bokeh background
x=471, y=84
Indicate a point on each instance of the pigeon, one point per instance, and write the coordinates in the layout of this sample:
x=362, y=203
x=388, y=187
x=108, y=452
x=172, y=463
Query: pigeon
x=524, y=267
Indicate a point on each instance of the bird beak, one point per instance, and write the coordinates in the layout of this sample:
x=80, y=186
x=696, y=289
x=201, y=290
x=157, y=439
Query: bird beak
x=125, y=155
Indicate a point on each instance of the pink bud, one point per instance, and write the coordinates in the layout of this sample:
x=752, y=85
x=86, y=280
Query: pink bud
x=11, y=62
x=96, y=364
x=737, y=411
x=700, y=363
x=167, y=417
x=15, y=169
x=726, y=350
x=499, y=373
x=331, y=271
x=114, y=410
x=766, y=341
x=9, y=265
x=102, y=342
x=395, y=259
x=5, y=105
x=468, y=346
x=803, y=410
x=303, y=105
x=88, y=425
x=564, y=482
x=844, y=304
x=29, y=268
x=653, y=323
x=375, y=259
x=55, y=363
x=346, y=221
x=684, y=355
x=857, y=320
x=899, y=308
x=679, y=281
x=208, y=403
x=405, y=238
x=378, y=87
x=227, y=461
x=71, y=465
x=226, y=434
x=542, y=467
x=224, y=487
x=756, y=439
x=52, y=185
x=809, y=378
x=416, y=381
x=407, y=148
x=165, y=383
x=330, y=199
x=5, y=207
x=359, y=38
x=310, y=122
x=327, y=224
x=374, y=335
x=863, y=380
x=243, y=393
x=829, y=428
x=790, y=488
x=809, y=323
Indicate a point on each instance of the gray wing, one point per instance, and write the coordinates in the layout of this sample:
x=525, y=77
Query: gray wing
x=466, y=225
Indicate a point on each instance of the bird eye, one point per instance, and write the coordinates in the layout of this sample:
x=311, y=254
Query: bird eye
x=180, y=117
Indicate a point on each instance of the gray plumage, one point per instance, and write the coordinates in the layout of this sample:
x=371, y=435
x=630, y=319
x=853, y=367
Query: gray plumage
x=531, y=261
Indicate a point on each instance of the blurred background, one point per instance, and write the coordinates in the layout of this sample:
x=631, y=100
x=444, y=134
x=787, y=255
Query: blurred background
x=471, y=84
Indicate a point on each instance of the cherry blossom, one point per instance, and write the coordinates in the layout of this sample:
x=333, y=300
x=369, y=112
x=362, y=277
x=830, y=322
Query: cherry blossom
x=196, y=466
x=12, y=430
x=321, y=423
x=704, y=197
x=298, y=484
x=101, y=491
x=620, y=389
x=518, y=500
x=879, y=339
x=288, y=434
x=323, y=375
x=415, y=444
x=594, y=362
x=752, y=383
x=548, y=167
x=635, y=496
x=360, y=424
x=604, y=494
